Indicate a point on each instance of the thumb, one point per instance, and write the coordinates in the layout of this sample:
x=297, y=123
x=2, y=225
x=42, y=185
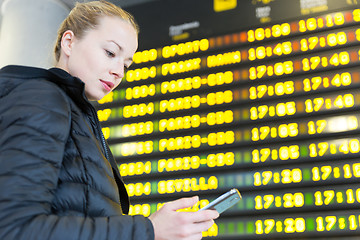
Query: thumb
x=183, y=203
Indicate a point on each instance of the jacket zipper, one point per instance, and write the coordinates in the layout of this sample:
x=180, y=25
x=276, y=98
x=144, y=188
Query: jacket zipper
x=98, y=127
x=99, y=131
x=104, y=146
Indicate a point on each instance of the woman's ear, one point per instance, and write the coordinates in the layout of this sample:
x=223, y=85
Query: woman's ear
x=67, y=41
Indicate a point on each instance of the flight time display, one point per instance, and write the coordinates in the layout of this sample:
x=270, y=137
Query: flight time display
x=272, y=110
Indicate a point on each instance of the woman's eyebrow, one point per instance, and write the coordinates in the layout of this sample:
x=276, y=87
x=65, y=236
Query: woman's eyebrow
x=130, y=58
x=118, y=45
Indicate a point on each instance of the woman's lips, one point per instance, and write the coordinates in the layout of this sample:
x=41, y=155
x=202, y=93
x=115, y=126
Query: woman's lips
x=107, y=85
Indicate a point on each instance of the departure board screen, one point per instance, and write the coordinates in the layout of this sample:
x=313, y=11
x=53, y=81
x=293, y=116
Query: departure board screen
x=258, y=95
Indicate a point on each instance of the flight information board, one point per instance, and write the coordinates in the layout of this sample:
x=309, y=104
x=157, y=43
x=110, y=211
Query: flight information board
x=258, y=95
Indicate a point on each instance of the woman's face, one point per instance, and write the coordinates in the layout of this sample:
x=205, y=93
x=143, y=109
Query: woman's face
x=101, y=56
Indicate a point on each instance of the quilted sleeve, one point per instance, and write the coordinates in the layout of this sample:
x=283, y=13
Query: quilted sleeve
x=34, y=127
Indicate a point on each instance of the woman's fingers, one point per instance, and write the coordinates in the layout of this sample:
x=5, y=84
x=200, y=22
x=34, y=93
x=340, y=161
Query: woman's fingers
x=182, y=203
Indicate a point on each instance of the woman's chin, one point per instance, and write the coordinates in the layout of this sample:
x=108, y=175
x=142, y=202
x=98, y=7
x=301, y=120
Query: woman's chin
x=95, y=97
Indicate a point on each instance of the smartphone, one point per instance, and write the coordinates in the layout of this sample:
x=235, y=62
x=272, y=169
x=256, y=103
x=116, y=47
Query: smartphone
x=225, y=201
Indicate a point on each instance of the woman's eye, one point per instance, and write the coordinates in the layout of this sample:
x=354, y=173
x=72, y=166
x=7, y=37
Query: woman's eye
x=109, y=53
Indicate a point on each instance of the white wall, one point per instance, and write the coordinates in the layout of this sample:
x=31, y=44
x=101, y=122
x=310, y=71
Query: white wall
x=28, y=31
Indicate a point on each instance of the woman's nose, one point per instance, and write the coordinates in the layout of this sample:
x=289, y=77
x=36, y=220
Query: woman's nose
x=118, y=71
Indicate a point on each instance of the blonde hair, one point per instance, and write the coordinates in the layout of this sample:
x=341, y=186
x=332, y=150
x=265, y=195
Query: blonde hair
x=85, y=16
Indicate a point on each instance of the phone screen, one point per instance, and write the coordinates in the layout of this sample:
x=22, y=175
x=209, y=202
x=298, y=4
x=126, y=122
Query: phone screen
x=225, y=201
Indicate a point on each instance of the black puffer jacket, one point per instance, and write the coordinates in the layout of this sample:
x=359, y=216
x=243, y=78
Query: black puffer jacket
x=58, y=179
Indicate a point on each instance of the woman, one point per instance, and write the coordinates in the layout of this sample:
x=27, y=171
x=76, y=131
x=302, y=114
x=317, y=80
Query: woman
x=58, y=179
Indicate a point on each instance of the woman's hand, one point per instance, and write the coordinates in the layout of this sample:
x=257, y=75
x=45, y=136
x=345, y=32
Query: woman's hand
x=172, y=225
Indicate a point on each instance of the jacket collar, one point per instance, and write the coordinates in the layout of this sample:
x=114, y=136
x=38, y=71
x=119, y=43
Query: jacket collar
x=73, y=86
